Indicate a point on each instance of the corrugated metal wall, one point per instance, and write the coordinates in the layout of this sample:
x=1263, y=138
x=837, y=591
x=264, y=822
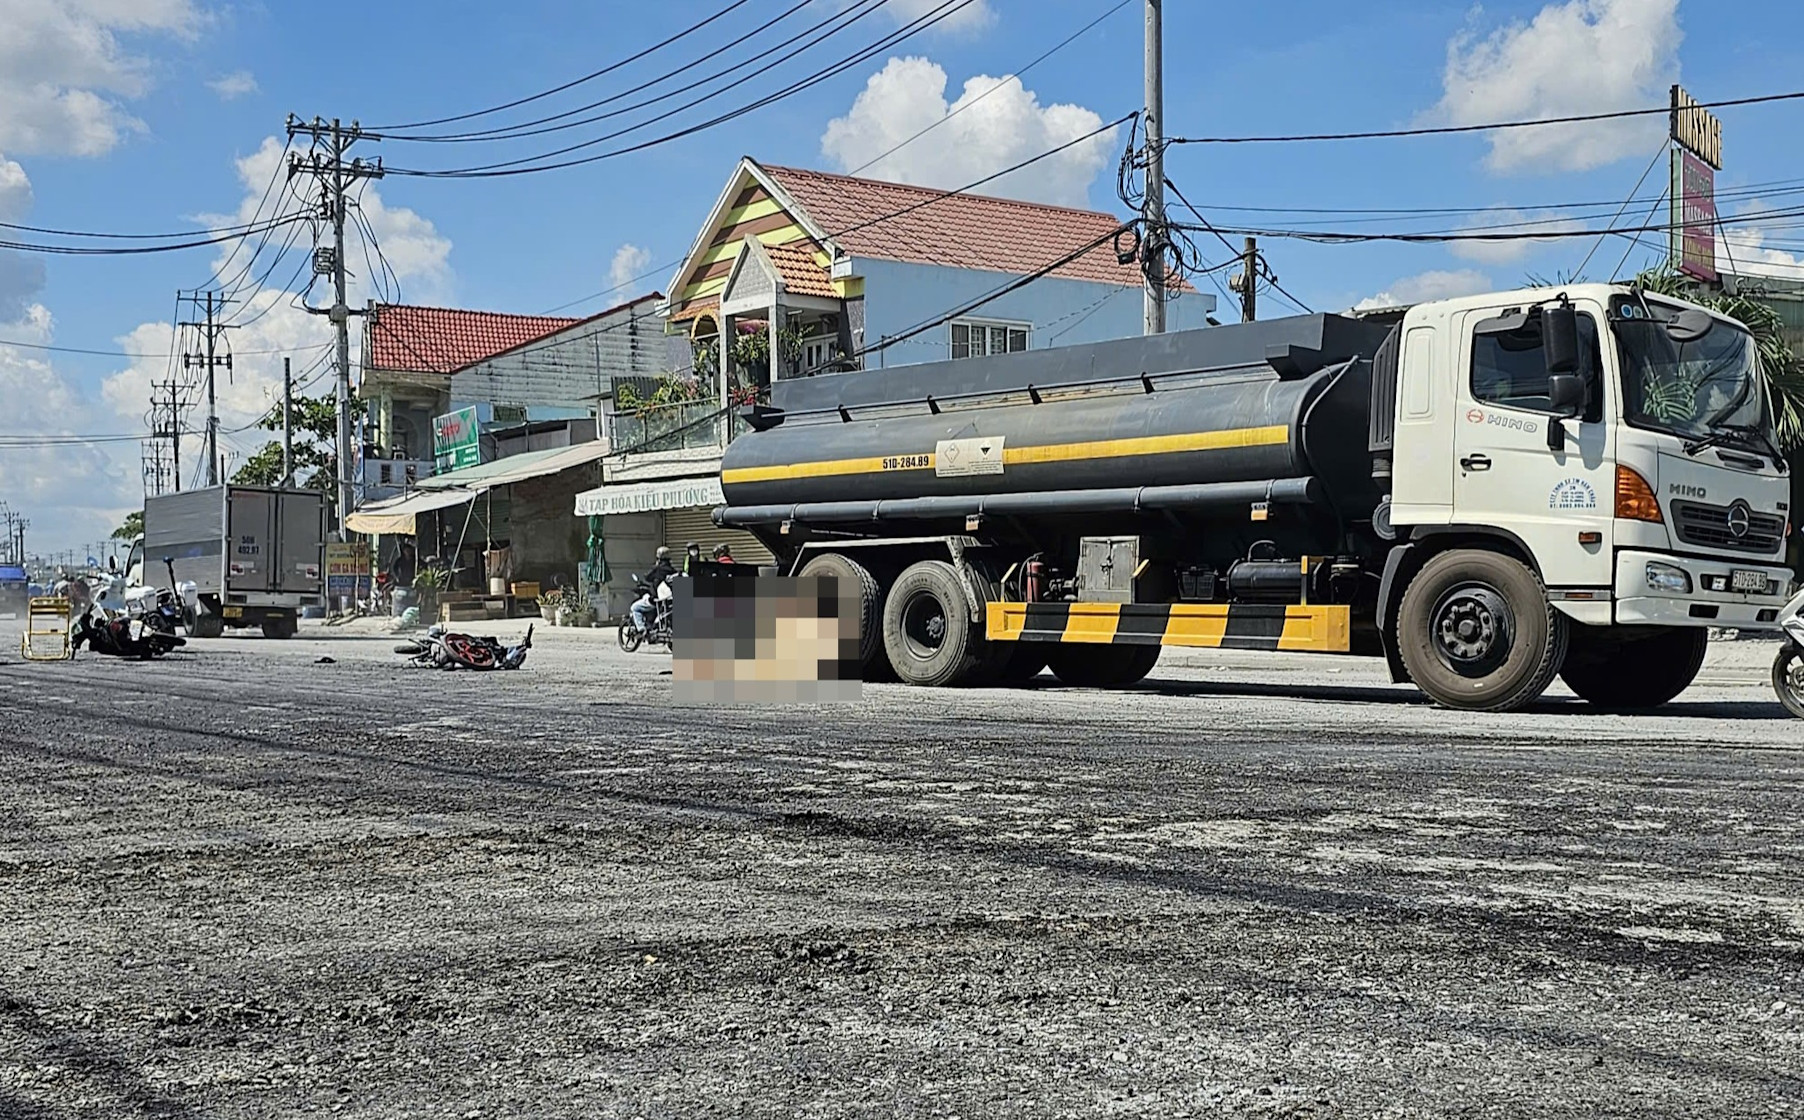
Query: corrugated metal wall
x=572, y=368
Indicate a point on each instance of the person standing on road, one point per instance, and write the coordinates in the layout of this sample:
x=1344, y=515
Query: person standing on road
x=692, y=558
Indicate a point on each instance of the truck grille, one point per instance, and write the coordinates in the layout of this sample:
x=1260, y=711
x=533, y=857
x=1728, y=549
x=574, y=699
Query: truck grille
x=1709, y=526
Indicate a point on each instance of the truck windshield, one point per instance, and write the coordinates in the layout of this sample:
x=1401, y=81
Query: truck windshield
x=1708, y=387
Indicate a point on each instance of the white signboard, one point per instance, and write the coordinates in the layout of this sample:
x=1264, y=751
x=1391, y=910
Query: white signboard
x=649, y=497
x=957, y=458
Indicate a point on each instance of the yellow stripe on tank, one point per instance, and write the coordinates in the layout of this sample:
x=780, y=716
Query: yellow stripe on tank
x=1269, y=436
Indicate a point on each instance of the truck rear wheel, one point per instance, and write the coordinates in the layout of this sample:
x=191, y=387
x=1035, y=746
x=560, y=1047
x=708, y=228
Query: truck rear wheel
x=1477, y=633
x=1097, y=666
x=927, y=627
x=285, y=627
x=1615, y=667
x=855, y=580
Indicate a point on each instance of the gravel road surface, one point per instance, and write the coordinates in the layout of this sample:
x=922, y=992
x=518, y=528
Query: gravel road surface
x=245, y=882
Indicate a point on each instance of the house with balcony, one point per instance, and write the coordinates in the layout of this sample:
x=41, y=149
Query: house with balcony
x=803, y=273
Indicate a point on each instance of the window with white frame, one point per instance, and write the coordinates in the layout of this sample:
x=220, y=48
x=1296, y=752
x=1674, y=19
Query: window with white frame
x=974, y=338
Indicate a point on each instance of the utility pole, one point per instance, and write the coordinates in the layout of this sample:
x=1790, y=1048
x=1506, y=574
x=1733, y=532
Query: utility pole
x=170, y=430
x=335, y=174
x=1248, y=285
x=1152, y=214
x=208, y=360
x=287, y=424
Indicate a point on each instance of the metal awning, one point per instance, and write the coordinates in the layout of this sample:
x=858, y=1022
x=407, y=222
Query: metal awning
x=517, y=468
x=395, y=515
x=649, y=497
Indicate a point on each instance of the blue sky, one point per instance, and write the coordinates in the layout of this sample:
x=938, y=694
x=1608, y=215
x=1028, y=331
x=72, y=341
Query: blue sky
x=135, y=115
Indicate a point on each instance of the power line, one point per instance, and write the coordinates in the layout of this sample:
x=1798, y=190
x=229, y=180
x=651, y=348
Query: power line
x=887, y=42
x=1016, y=76
x=1626, y=203
x=137, y=250
x=137, y=354
x=531, y=128
x=1343, y=237
x=1445, y=130
x=610, y=68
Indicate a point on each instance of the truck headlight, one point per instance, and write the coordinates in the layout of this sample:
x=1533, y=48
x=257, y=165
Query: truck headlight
x=1665, y=577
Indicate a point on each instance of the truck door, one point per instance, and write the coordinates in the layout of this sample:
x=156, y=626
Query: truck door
x=1561, y=504
x=250, y=536
x=300, y=536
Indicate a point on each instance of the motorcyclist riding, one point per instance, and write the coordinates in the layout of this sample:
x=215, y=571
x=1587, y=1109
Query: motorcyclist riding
x=646, y=608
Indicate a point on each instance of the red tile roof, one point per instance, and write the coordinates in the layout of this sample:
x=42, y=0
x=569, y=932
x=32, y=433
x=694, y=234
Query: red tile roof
x=441, y=339
x=959, y=231
x=801, y=275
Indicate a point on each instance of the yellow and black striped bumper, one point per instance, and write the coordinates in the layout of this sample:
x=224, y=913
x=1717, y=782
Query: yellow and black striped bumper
x=1201, y=625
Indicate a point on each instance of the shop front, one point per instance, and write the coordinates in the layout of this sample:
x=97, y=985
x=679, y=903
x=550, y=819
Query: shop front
x=629, y=521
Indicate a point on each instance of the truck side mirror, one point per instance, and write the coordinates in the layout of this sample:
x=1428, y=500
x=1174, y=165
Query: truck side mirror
x=1559, y=333
x=1566, y=393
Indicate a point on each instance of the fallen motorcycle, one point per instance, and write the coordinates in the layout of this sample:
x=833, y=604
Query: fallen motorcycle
x=1788, y=666
x=119, y=635
x=439, y=648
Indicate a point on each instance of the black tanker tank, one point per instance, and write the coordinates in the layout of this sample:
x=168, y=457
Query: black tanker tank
x=1279, y=408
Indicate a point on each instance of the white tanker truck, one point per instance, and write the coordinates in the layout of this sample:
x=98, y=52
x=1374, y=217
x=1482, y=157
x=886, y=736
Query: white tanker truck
x=1489, y=492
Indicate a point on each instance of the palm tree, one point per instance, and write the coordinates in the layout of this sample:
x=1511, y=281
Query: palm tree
x=1783, y=369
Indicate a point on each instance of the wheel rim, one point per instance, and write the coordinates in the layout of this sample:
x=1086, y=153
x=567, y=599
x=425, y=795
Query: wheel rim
x=1791, y=672
x=924, y=625
x=1473, y=629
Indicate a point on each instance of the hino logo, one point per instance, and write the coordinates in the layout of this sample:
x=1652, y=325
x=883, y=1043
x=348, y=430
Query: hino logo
x=1679, y=489
x=1741, y=519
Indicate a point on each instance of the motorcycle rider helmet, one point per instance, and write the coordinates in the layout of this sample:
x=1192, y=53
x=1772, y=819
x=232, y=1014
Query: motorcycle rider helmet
x=663, y=553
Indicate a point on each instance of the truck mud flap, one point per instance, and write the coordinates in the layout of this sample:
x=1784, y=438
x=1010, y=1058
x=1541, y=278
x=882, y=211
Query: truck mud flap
x=1326, y=629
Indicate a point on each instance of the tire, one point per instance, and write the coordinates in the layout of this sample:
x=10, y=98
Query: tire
x=927, y=627
x=412, y=649
x=1026, y=661
x=1788, y=678
x=629, y=637
x=280, y=628
x=851, y=574
x=207, y=625
x=1615, y=667
x=1083, y=665
x=1477, y=633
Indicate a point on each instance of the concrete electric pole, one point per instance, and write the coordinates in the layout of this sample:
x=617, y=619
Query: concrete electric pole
x=335, y=174
x=1249, y=281
x=1152, y=213
x=287, y=424
x=209, y=360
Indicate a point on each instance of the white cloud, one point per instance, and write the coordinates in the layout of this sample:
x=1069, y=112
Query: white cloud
x=230, y=87
x=999, y=129
x=21, y=277
x=629, y=264
x=1573, y=58
x=1426, y=286
x=1747, y=254
x=1513, y=222
x=974, y=16
x=63, y=70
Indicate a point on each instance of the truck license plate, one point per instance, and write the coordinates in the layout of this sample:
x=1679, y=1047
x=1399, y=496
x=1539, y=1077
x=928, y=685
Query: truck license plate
x=238, y=612
x=1741, y=579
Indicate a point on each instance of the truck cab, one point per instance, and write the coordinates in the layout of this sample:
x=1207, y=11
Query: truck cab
x=1618, y=443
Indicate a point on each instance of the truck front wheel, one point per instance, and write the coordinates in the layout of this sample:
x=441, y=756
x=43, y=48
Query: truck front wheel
x=203, y=623
x=1477, y=633
x=1633, y=667
x=927, y=627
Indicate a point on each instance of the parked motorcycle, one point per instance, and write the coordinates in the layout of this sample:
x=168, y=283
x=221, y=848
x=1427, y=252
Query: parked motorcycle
x=1788, y=666
x=661, y=633
x=117, y=634
x=439, y=648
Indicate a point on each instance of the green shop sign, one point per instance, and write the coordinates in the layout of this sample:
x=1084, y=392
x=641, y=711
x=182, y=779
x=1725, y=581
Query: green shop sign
x=456, y=440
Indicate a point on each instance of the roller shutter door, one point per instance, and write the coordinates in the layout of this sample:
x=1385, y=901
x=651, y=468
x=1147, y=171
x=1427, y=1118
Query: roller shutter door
x=684, y=525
